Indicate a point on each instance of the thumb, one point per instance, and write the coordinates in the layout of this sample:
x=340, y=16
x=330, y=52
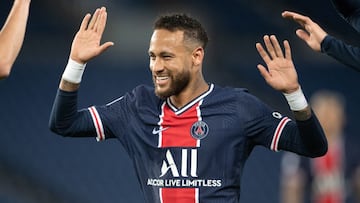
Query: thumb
x=303, y=35
x=263, y=71
x=105, y=46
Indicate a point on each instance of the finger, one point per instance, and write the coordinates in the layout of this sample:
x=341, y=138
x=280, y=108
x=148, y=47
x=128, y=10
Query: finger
x=105, y=46
x=301, y=19
x=264, y=55
x=94, y=19
x=290, y=14
x=304, y=21
x=287, y=14
x=302, y=34
x=287, y=50
x=263, y=71
x=85, y=21
x=276, y=45
x=269, y=47
x=101, y=23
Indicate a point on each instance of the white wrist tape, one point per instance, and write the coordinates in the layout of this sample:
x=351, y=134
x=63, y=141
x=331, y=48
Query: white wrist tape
x=73, y=71
x=296, y=100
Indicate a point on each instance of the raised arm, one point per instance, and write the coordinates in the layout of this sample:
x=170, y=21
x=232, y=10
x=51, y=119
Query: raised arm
x=65, y=118
x=85, y=46
x=281, y=75
x=318, y=40
x=308, y=138
x=12, y=35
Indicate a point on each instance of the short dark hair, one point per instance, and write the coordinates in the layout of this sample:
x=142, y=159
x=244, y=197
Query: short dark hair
x=193, y=30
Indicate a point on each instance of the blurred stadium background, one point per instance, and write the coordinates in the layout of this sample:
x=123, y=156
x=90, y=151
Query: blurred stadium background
x=37, y=166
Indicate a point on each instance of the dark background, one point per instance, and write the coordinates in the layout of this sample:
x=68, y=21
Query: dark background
x=39, y=166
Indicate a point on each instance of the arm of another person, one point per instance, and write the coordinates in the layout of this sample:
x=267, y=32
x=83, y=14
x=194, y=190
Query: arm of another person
x=12, y=35
x=318, y=40
x=65, y=119
x=281, y=75
x=339, y=50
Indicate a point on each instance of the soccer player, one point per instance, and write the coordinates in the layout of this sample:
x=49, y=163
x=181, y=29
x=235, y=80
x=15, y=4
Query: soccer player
x=319, y=40
x=12, y=35
x=188, y=138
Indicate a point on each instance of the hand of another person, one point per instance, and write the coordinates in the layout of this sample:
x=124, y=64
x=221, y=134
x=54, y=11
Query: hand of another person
x=280, y=73
x=86, y=44
x=311, y=33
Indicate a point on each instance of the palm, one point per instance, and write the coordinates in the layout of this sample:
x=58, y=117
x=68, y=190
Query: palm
x=86, y=44
x=280, y=73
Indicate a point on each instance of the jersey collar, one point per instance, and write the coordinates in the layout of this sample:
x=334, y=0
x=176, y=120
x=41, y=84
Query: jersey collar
x=190, y=104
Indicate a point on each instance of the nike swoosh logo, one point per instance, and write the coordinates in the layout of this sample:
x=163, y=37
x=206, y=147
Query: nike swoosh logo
x=157, y=131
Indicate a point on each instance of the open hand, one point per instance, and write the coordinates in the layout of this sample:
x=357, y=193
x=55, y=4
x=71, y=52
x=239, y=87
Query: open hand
x=280, y=72
x=86, y=44
x=311, y=33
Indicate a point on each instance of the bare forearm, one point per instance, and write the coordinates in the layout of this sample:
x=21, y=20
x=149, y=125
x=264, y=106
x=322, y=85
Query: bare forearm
x=12, y=34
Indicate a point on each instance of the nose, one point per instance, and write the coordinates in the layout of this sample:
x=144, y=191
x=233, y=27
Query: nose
x=156, y=65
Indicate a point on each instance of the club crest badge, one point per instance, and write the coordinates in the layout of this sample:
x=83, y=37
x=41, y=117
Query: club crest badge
x=199, y=130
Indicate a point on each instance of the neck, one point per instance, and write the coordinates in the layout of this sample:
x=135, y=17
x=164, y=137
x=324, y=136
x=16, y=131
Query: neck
x=190, y=93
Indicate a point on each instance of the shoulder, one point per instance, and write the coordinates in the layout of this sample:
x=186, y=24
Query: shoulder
x=143, y=90
x=237, y=94
x=239, y=100
x=229, y=91
x=144, y=95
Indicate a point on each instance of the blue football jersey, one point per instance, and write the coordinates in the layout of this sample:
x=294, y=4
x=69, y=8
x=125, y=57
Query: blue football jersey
x=195, y=153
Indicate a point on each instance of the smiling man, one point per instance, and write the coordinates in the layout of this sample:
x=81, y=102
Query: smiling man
x=188, y=138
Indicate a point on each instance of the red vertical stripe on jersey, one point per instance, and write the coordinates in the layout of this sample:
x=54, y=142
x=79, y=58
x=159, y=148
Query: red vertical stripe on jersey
x=178, y=132
x=179, y=195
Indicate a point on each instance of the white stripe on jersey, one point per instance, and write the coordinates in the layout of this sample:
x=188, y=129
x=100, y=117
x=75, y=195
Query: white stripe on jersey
x=186, y=107
x=160, y=195
x=277, y=134
x=161, y=116
x=116, y=100
x=197, y=195
x=199, y=118
x=97, y=123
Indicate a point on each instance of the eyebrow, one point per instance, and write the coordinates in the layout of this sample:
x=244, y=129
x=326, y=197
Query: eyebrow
x=161, y=53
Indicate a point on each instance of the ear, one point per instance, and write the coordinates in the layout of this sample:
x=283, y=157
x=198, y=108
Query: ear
x=198, y=56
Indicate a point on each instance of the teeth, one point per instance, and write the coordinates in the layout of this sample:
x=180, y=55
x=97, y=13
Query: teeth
x=161, y=78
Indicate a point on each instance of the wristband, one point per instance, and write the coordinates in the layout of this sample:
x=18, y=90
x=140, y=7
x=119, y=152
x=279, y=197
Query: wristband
x=73, y=71
x=296, y=100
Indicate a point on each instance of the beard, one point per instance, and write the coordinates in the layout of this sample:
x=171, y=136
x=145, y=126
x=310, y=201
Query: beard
x=177, y=84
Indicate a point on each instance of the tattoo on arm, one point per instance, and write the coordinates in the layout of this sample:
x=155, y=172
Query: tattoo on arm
x=68, y=86
x=303, y=114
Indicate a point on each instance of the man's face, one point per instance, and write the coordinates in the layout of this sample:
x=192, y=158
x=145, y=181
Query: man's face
x=170, y=62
